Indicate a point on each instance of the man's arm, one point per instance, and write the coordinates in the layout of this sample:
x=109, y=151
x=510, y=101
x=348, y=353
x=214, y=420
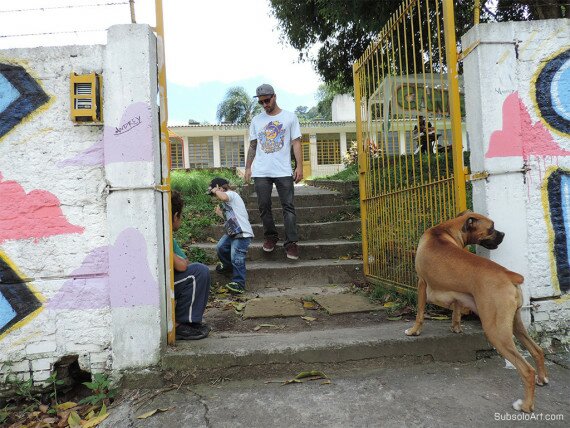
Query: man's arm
x=298, y=174
x=180, y=264
x=249, y=161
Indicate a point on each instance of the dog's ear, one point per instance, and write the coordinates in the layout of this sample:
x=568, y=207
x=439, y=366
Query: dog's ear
x=469, y=224
x=464, y=212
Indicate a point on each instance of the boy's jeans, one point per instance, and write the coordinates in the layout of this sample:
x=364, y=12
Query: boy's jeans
x=232, y=251
x=285, y=189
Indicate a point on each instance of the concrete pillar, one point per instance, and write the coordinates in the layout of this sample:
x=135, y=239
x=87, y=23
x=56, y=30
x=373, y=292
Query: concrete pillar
x=217, y=157
x=515, y=143
x=342, y=147
x=313, y=152
x=186, y=152
x=134, y=206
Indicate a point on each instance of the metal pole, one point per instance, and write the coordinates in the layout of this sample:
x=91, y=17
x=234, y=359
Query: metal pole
x=132, y=6
x=455, y=106
x=165, y=142
x=362, y=167
x=477, y=12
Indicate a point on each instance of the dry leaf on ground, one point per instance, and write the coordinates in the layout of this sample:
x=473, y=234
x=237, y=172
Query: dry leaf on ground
x=153, y=412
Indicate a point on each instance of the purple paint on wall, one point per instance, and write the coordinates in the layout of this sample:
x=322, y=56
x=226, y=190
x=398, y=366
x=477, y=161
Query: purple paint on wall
x=128, y=283
x=132, y=283
x=92, y=156
x=129, y=141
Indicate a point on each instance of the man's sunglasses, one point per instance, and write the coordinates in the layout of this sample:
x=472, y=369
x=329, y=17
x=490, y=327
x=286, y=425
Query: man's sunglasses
x=265, y=101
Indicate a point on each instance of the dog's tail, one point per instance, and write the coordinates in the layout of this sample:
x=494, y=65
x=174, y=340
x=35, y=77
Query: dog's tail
x=515, y=278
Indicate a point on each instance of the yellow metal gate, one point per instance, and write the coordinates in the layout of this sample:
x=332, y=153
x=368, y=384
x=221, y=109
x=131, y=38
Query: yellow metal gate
x=409, y=108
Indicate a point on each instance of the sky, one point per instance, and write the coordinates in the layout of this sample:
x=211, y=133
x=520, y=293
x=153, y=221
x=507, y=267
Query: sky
x=210, y=46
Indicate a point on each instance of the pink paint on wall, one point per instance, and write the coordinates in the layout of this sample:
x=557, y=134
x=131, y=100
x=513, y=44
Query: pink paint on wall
x=116, y=276
x=519, y=137
x=30, y=215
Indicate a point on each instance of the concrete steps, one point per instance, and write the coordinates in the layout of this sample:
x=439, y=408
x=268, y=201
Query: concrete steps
x=307, y=231
x=244, y=355
x=311, y=214
x=326, y=198
x=289, y=273
x=309, y=250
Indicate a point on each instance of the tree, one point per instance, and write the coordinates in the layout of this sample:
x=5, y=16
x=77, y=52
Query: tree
x=344, y=29
x=237, y=106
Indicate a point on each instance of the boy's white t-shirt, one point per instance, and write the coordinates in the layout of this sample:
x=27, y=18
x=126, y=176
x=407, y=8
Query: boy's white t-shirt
x=274, y=135
x=235, y=213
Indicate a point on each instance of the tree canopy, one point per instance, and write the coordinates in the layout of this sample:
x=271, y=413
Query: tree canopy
x=237, y=106
x=342, y=29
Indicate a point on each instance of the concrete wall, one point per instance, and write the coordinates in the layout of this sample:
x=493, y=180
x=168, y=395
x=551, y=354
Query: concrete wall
x=343, y=109
x=517, y=82
x=81, y=243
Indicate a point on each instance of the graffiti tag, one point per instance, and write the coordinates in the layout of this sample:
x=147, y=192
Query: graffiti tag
x=133, y=123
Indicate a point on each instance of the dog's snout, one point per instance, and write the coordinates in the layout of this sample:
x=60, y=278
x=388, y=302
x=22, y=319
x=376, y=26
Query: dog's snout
x=500, y=236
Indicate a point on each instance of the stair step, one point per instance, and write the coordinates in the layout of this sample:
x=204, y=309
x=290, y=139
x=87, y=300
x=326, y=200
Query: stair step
x=311, y=214
x=308, y=250
x=312, y=200
x=307, y=231
x=245, y=355
x=295, y=273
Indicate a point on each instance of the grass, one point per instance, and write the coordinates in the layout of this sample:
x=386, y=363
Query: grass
x=198, y=214
x=350, y=173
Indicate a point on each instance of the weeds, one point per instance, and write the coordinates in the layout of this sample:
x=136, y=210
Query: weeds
x=101, y=390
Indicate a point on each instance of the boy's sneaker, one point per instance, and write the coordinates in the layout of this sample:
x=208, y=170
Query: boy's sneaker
x=236, y=288
x=269, y=245
x=188, y=332
x=221, y=268
x=292, y=251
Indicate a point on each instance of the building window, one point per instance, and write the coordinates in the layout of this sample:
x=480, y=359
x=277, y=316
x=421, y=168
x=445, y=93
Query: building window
x=176, y=153
x=328, y=149
x=232, y=151
x=201, y=152
x=389, y=142
x=306, y=145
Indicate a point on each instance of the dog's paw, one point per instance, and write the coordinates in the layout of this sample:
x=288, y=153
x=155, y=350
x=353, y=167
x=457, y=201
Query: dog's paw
x=518, y=406
x=412, y=332
x=541, y=382
x=456, y=329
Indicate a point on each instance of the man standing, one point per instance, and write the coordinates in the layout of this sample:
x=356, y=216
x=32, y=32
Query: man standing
x=272, y=133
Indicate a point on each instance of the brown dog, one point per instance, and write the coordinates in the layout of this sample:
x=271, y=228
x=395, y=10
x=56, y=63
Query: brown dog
x=454, y=278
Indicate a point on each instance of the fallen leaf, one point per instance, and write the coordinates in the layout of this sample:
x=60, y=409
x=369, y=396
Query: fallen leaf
x=309, y=305
x=344, y=257
x=439, y=317
x=287, y=382
x=95, y=421
x=74, y=420
x=66, y=405
x=153, y=412
x=212, y=240
x=90, y=415
x=260, y=326
x=394, y=318
x=49, y=420
x=43, y=408
x=309, y=318
x=326, y=382
x=311, y=373
x=389, y=304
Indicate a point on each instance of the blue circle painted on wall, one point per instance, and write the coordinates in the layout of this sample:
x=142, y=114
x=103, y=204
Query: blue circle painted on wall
x=553, y=92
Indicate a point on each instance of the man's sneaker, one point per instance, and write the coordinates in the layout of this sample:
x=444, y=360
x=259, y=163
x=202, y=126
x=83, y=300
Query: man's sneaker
x=292, y=251
x=236, y=288
x=188, y=332
x=269, y=245
x=202, y=326
x=221, y=268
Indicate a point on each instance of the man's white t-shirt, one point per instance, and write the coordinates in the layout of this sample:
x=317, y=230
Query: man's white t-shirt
x=274, y=135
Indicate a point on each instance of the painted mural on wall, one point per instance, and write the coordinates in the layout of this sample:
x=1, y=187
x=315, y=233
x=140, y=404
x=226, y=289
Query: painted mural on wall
x=129, y=141
x=519, y=136
x=20, y=95
x=552, y=92
x=30, y=215
x=557, y=188
x=132, y=281
x=19, y=302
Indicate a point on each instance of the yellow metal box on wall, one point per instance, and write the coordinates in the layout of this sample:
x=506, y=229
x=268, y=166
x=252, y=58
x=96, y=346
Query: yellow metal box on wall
x=86, y=98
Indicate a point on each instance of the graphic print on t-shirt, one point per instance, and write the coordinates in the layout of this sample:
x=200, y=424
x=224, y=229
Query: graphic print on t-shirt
x=231, y=225
x=272, y=137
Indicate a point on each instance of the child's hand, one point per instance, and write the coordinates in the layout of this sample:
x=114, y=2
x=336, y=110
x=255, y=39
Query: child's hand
x=219, y=211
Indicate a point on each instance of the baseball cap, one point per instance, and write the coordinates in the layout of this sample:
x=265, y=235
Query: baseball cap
x=264, y=89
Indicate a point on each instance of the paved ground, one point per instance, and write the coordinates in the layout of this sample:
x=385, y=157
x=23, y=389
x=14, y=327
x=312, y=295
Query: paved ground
x=476, y=394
